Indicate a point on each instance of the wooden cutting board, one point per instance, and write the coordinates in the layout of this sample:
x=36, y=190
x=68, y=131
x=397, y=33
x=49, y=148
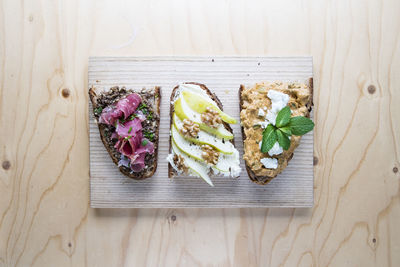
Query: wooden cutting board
x=223, y=75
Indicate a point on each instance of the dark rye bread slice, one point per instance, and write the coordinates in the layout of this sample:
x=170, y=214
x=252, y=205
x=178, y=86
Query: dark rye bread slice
x=152, y=98
x=171, y=171
x=263, y=180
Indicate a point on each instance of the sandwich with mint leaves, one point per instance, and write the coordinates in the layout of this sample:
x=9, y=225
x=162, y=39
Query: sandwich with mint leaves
x=274, y=116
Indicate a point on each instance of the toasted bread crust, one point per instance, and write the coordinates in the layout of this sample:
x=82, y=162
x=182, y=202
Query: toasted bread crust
x=263, y=180
x=213, y=96
x=156, y=109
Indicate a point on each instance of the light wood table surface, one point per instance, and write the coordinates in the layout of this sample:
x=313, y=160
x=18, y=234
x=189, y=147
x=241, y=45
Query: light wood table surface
x=45, y=219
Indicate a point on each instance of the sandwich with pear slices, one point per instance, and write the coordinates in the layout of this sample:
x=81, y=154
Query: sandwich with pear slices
x=201, y=140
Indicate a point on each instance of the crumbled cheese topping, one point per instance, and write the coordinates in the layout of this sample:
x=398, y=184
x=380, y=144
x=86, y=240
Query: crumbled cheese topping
x=261, y=112
x=278, y=101
x=263, y=124
x=269, y=163
x=271, y=117
x=275, y=150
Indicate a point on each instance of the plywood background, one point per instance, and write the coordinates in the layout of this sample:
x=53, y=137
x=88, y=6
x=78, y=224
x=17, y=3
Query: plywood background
x=223, y=75
x=45, y=219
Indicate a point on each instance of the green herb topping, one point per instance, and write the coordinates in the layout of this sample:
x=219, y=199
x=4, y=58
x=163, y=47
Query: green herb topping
x=269, y=138
x=300, y=125
x=97, y=111
x=283, y=139
x=283, y=117
x=148, y=135
x=144, y=142
x=130, y=129
x=143, y=107
x=285, y=126
x=131, y=117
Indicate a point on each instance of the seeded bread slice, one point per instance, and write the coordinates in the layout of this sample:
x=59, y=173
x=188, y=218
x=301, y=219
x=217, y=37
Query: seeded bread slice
x=171, y=171
x=103, y=97
x=262, y=180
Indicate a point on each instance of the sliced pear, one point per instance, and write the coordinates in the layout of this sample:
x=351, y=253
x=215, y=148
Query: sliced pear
x=194, y=151
x=196, y=167
x=185, y=146
x=199, y=104
x=205, y=138
x=184, y=112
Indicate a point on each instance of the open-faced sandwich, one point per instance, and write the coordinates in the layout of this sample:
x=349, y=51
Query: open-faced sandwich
x=128, y=122
x=201, y=142
x=274, y=116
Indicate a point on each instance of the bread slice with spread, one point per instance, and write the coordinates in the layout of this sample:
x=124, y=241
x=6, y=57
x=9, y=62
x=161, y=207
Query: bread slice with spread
x=201, y=140
x=261, y=106
x=128, y=122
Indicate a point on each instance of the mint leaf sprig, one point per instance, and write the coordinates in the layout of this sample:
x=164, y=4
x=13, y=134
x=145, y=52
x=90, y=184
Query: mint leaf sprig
x=285, y=126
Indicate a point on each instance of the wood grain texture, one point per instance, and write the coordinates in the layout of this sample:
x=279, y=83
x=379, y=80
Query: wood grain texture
x=223, y=75
x=45, y=219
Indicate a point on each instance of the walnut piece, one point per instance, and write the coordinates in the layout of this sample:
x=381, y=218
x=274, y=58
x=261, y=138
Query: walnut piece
x=190, y=129
x=209, y=154
x=211, y=117
x=179, y=162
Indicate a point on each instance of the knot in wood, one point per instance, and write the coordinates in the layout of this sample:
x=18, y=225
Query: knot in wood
x=371, y=89
x=6, y=165
x=65, y=92
x=315, y=161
